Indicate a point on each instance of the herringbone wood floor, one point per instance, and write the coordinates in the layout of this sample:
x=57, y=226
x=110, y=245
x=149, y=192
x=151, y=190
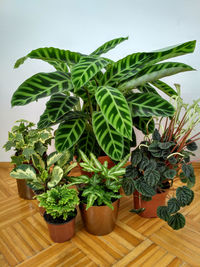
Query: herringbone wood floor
x=135, y=241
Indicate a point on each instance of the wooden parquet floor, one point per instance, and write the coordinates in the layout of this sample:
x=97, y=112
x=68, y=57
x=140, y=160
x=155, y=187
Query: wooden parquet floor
x=135, y=241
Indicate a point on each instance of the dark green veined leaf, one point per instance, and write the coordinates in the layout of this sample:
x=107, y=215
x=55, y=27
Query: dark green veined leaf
x=188, y=170
x=170, y=174
x=128, y=185
x=176, y=221
x=143, y=188
x=191, y=146
x=131, y=172
x=184, y=195
x=109, y=140
x=108, y=46
x=156, y=135
x=152, y=164
x=153, y=73
x=144, y=124
x=85, y=69
x=163, y=213
x=144, y=162
x=173, y=205
x=165, y=145
x=147, y=88
x=59, y=105
x=151, y=177
x=68, y=133
x=147, y=104
x=55, y=56
x=165, y=88
x=136, y=157
x=40, y=85
x=87, y=142
x=45, y=120
x=115, y=109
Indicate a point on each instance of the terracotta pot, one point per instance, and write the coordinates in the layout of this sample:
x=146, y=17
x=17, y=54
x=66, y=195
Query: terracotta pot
x=61, y=232
x=150, y=206
x=99, y=220
x=24, y=191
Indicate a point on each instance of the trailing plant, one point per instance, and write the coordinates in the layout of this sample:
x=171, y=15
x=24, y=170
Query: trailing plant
x=26, y=141
x=45, y=173
x=165, y=157
x=103, y=187
x=59, y=202
x=115, y=96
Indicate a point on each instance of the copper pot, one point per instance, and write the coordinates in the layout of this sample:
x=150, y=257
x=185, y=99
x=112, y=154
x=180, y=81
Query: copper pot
x=24, y=190
x=150, y=206
x=99, y=220
x=61, y=232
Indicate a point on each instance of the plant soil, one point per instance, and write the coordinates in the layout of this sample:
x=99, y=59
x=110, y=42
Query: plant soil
x=59, y=220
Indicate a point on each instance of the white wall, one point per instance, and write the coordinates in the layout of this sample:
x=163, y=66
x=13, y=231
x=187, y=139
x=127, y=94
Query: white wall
x=82, y=26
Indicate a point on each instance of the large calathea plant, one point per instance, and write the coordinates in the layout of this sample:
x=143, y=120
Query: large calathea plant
x=92, y=97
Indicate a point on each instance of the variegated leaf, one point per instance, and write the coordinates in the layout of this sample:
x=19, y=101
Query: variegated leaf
x=53, y=158
x=40, y=85
x=55, y=56
x=109, y=140
x=153, y=73
x=165, y=88
x=115, y=109
x=68, y=133
x=23, y=171
x=59, y=105
x=85, y=69
x=56, y=176
x=108, y=46
x=146, y=105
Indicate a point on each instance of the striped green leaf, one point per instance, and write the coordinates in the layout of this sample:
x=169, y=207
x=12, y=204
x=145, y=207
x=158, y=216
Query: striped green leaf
x=40, y=85
x=165, y=88
x=146, y=104
x=147, y=88
x=144, y=124
x=87, y=142
x=55, y=56
x=109, y=140
x=108, y=46
x=153, y=73
x=115, y=109
x=68, y=133
x=59, y=105
x=87, y=68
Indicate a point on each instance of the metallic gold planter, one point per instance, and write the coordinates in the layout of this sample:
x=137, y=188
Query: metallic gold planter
x=99, y=220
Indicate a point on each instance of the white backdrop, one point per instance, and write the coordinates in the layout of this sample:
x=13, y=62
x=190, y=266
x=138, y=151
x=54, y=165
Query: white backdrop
x=82, y=26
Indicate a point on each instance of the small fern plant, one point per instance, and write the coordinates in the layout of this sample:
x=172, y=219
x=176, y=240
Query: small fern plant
x=59, y=202
x=103, y=187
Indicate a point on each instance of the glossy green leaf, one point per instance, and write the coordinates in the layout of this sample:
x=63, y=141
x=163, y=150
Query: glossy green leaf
x=163, y=213
x=173, y=205
x=40, y=85
x=68, y=133
x=109, y=140
x=176, y=221
x=115, y=109
x=151, y=177
x=184, y=195
x=142, y=187
x=86, y=69
x=86, y=142
x=108, y=46
x=147, y=88
x=147, y=104
x=165, y=88
x=144, y=124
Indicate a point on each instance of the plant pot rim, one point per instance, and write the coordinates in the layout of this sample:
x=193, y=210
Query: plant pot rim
x=96, y=206
x=56, y=223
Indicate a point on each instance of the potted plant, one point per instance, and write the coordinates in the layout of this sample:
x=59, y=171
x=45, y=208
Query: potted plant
x=60, y=204
x=162, y=159
x=26, y=141
x=99, y=194
x=92, y=97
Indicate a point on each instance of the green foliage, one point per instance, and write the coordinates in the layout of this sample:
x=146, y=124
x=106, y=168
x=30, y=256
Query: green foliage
x=163, y=213
x=103, y=187
x=106, y=91
x=25, y=140
x=59, y=201
x=176, y=221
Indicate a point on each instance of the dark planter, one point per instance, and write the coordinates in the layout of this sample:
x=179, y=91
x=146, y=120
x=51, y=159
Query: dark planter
x=150, y=206
x=99, y=220
x=61, y=232
x=24, y=191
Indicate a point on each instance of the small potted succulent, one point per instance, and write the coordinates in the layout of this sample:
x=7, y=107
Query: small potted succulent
x=99, y=194
x=162, y=159
x=26, y=140
x=60, y=204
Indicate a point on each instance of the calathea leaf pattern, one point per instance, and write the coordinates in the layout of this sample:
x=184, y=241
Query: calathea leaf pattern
x=109, y=140
x=147, y=104
x=115, y=109
x=40, y=85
